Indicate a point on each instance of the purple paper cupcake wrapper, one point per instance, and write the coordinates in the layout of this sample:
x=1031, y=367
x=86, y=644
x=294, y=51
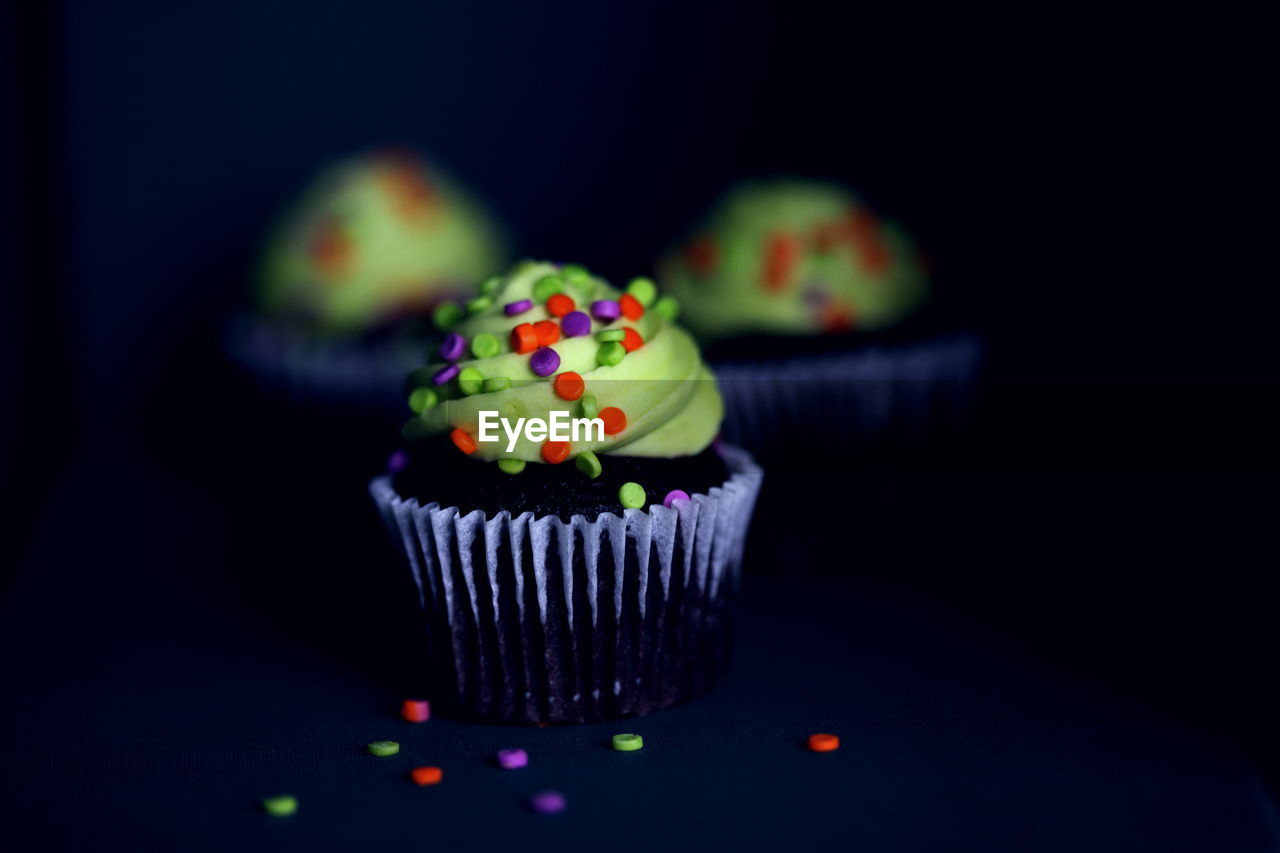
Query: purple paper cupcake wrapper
x=537, y=620
x=910, y=389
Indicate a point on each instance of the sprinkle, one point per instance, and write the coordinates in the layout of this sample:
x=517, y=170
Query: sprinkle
x=496, y=383
x=446, y=315
x=548, y=802
x=470, y=381
x=426, y=775
x=702, y=255
x=673, y=496
x=588, y=406
x=588, y=463
x=445, y=374
x=824, y=743
x=668, y=307
x=383, y=748
x=559, y=304
x=611, y=335
x=555, y=452
x=422, y=399
x=575, y=324
x=605, y=309
x=547, y=331
x=480, y=303
x=484, y=345
x=546, y=287
x=511, y=466
x=545, y=361
x=281, y=806
x=511, y=759
x=464, y=442
x=415, y=710
x=397, y=462
x=514, y=308
x=614, y=420
x=610, y=354
x=627, y=742
x=631, y=495
x=631, y=340
x=630, y=307
x=642, y=290
x=491, y=285
x=575, y=274
x=569, y=385
x=453, y=346
x=523, y=338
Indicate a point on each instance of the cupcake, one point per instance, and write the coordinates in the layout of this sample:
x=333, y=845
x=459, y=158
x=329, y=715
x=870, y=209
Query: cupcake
x=574, y=530
x=351, y=272
x=810, y=304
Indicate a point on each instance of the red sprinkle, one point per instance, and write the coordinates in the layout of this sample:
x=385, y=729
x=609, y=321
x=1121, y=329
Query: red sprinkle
x=547, y=332
x=559, y=304
x=523, y=338
x=782, y=252
x=631, y=340
x=331, y=247
x=702, y=255
x=556, y=452
x=569, y=385
x=465, y=442
x=614, y=420
x=631, y=307
x=415, y=710
x=427, y=775
x=824, y=743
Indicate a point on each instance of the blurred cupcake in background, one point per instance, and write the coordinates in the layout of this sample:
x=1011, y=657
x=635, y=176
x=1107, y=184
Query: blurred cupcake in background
x=351, y=272
x=810, y=304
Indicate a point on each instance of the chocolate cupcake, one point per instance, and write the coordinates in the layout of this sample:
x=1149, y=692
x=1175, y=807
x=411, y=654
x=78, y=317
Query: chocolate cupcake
x=350, y=275
x=810, y=306
x=573, y=528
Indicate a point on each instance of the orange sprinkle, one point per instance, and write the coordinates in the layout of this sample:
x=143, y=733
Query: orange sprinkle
x=556, y=452
x=781, y=254
x=702, y=255
x=614, y=420
x=838, y=317
x=547, y=332
x=559, y=304
x=331, y=247
x=427, y=775
x=569, y=385
x=631, y=307
x=524, y=338
x=465, y=442
x=824, y=743
x=632, y=340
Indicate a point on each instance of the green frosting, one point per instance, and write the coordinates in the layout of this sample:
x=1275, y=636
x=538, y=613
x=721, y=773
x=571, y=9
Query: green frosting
x=666, y=392
x=793, y=257
x=374, y=237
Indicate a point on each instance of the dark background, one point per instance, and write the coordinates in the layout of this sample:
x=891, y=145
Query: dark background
x=1090, y=187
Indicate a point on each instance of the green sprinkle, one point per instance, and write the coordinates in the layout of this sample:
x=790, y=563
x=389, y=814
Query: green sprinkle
x=470, y=381
x=480, y=303
x=587, y=403
x=422, y=399
x=668, y=307
x=491, y=285
x=496, y=383
x=610, y=354
x=547, y=286
x=281, y=806
x=628, y=742
x=383, y=748
x=485, y=345
x=631, y=495
x=574, y=273
x=643, y=290
x=612, y=335
x=511, y=466
x=588, y=463
x=446, y=315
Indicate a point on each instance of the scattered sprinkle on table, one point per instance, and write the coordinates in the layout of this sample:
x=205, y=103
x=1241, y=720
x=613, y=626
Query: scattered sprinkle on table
x=398, y=461
x=383, y=748
x=673, y=496
x=511, y=466
x=628, y=742
x=415, y=710
x=281, y=806
x=824, y=742
x=511, y=759
x=548, y=802
x=631, y=495
x=426, y=775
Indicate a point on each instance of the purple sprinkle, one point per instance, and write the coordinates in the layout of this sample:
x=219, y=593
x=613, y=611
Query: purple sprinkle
x=453, y=346
x=544, y=361
x=548, y=802
x=510, y=759
x=514, y=308
x=605, y=309
x=397, y=462
x=575, y=324
x=445, y=374
x=675, y=495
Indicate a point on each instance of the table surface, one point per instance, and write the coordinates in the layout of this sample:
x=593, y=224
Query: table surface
x=181, y=644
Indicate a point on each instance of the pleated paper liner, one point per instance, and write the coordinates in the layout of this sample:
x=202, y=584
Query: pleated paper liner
x=537, y=620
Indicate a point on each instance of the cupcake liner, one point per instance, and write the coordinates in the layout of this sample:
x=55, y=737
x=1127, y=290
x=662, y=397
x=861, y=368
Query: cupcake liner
x=310, y=370
x=909, y=389
x=537, y=620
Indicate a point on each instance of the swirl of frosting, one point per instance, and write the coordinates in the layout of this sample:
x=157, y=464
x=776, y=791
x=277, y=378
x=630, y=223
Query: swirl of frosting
x=547, y=338
x=793, y=257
